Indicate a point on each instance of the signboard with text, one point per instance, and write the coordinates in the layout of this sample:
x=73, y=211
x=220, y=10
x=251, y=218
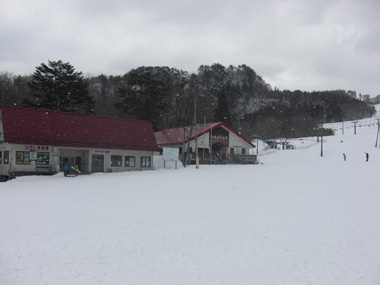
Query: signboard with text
x=171, y=154
x=220, y=135
x=36, y=147
x=101, y=151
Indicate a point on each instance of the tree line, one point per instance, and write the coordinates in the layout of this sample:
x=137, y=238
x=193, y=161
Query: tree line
x=235, y=95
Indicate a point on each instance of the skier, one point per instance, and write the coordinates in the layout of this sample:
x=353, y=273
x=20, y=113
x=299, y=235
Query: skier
x=344, y=156
x=366, y=156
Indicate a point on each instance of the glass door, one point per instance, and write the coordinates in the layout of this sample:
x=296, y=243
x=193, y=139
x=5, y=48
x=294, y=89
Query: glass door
x=98, y=163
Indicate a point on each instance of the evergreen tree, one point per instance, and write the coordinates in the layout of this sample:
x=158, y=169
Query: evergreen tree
x=222, y=113
x=57, y=86
x=13, y=89
x=143, y=98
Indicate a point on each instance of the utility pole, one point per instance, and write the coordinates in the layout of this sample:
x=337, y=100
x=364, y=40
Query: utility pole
x=318, y=134
x=321, y=135
x=204, y=143
x=239, y=117
x=188, y=146
x=196, y=133
x=257, y=142
x=378, y=129
x=211, y=146
x=355, y=127
x=321, y=145
x=257, y=145
x=184, y=146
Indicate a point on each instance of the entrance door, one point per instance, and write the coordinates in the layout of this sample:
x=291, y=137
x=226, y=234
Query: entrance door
x=71, y=160
x=98, y=163
x=78, y=162
x=64, y=160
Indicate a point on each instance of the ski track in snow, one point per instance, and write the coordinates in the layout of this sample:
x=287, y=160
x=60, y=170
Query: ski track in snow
x=297, y=218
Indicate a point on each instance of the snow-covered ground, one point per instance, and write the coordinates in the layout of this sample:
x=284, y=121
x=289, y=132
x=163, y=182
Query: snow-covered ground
x=297, y=218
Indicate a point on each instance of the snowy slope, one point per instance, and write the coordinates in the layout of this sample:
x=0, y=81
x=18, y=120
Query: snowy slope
x=297, y=218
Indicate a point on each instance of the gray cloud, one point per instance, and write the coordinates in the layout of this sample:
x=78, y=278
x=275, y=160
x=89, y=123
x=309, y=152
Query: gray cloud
x=292, y=44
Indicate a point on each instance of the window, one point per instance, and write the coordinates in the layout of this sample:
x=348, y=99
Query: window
x=23, y=157
x=231, y=150
x=42, y=158
x=6, y=157
x=116, y=160
x=130, y=161
x=243, y=151
x=145, y=161
x=1, y=159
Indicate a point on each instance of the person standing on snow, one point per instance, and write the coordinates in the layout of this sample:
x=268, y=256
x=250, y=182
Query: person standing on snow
x=76, y=168
x=66, y=169
x=344, y=156
x=366, y=156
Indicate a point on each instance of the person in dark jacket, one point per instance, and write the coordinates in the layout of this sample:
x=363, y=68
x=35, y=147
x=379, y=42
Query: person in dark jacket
x=66, y=169
x=366, y=156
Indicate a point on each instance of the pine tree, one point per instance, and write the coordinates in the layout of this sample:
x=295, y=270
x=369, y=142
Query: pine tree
x=57, y=86
x=222, y=113
x=143, y=98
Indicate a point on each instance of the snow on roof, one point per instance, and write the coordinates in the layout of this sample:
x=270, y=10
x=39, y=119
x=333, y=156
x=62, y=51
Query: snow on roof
x=46, y=127
x=175, y=136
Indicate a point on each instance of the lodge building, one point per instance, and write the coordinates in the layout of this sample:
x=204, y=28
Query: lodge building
x=43, y=141
x=217, y=144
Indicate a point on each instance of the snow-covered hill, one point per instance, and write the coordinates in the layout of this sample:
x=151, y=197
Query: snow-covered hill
x=297, y=218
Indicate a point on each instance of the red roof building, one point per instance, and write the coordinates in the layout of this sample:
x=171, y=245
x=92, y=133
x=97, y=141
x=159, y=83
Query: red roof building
x=216, y=142
x=74, y=136
x=31, y=126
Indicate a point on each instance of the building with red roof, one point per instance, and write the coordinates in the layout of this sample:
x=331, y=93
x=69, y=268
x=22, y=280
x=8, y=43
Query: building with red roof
x=42, y=141
x=216, y=142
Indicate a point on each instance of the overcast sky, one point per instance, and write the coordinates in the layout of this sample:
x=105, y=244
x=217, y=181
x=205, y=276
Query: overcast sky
x=293, y=44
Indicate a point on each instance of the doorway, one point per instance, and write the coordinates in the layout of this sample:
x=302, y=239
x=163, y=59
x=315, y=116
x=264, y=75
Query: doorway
x=71, y=160
x=98, y=163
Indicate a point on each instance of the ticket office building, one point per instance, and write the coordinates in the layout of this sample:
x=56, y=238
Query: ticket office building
x=95, y=144
x=19, y=159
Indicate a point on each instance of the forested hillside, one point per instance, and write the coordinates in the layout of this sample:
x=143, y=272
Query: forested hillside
x=167, y=96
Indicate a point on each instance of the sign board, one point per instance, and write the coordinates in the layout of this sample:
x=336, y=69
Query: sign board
x=101, y=151
x=36, y=147
x=171, y=154
x=33, y=155
x=220, y=135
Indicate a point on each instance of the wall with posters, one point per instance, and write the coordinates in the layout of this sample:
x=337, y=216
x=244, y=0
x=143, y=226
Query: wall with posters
x=26, y=159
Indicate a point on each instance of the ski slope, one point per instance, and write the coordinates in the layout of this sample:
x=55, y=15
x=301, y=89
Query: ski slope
x=297, y=218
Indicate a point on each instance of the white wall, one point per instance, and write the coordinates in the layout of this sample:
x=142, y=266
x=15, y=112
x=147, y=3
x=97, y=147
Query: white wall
x=137, y=154
x=238, y=144
x=234, y=142
x=13, y=148
x=203, y=141
x=56, y=152
x=4, y=167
